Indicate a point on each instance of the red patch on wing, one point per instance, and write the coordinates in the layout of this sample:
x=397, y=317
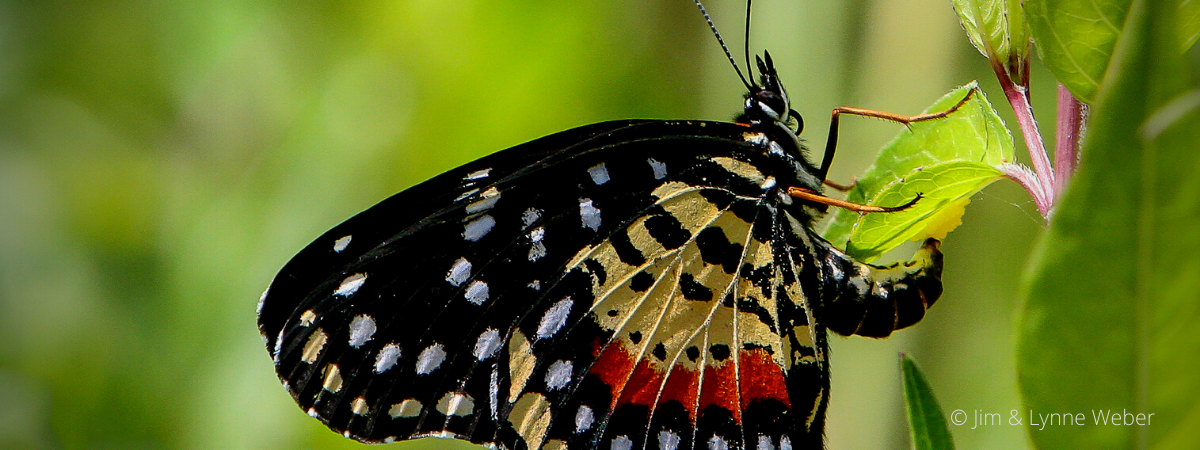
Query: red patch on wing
x=720, y=388
x=761, y=378
x=756, y=378
x=640, y=384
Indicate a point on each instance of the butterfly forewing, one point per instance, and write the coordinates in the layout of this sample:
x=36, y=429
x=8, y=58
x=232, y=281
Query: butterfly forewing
x=624, y=285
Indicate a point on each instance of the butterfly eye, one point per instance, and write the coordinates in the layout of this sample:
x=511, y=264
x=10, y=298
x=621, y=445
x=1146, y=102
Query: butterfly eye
x=766, y=105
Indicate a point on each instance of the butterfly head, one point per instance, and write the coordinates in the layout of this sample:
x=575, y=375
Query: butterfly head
x=768, y=101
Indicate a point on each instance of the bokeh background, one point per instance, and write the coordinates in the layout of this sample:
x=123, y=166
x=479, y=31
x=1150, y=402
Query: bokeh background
x=160, y=160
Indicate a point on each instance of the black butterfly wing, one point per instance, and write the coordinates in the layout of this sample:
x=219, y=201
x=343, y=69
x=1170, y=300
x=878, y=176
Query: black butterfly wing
x=622, y=285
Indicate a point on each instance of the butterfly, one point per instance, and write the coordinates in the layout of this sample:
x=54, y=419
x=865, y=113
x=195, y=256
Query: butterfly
x=635, y=284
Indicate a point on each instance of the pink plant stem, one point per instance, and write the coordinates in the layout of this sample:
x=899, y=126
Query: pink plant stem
x=1018, y=97
x=1066, y=145
x=1029, y=181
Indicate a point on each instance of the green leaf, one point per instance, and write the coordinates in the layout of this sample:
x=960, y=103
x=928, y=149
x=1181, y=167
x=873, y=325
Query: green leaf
x=1189, y=23
x=1075, y=39
x=946, y=188
x=973, y=134
x=926, y=423
x=997, y=28
x=1111, y=304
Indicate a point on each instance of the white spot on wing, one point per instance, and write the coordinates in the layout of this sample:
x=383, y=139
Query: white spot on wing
x=477, y=175
x=487, y=344
x=387, y=357
x=558, y=375
x=431, y=358
x=459, y=272
x=478, y=228
x=554, y=318
x=659, y=168
x=312, y=348
x=785, y=443
x=466, y=194
x=717, y=443
x=410, y=407
x=307, y=318
x=333, y=378
x=599, y=174
x=583, y=419
x=351, y=284
x=341, y=243
x=764, y=443
x=490, y=197
x=589, y=214
x=622, y=442
x=359, y=407
x=537, y=248
x=494, y=394
x=530, y=216
x=477, y=292
x=668, y=440
x=456, y=404
x=362, y=329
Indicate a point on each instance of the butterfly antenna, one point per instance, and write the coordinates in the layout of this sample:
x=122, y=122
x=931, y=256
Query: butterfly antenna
x=746, y=48
x=724, y=47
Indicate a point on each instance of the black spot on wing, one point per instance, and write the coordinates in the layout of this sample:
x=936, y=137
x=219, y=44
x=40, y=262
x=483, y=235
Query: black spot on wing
x=719, y=351
x=641, y=281
x=748, y=305
x=625, y=249
x=660, y=352
x=761, y=277
x=667, y=230
x=719, y=197
x=745, y=209
x=693, y=290
x=596, y=269
x=716, y=249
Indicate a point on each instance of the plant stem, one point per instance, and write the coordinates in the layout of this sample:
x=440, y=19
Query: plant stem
x=1029, y=181
x=1043, y=176
x=1067, y=134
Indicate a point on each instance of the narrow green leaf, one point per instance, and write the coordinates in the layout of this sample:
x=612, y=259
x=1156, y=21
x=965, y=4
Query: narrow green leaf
x=1109, y=324
x=1076, y=39
x=946, y=188
x=926, y=423
x=1189, y=23
x=973, y=134
x=997, y=28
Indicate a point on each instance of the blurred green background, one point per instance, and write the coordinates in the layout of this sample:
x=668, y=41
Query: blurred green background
x=161, y=160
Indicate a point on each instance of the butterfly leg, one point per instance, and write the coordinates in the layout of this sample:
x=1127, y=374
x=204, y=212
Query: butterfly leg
x=831, y=143
x=873, y=301
x=814, y=197
x=841, y=187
